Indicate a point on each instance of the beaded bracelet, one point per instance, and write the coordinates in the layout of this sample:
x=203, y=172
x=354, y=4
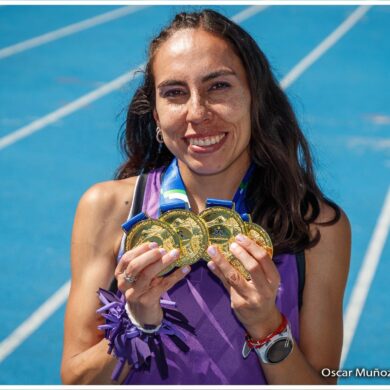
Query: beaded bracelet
x=258, y=343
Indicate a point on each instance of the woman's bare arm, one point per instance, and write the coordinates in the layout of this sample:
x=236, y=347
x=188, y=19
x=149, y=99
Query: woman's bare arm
x=321, y=317
x=95, y=242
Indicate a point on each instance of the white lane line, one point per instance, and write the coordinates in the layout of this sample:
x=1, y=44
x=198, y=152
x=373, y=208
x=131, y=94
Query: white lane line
x=68, y=109
x=373, y=143
x=365, y=277
x=118, y=85
x=248, y=12
x=34, y=321
x=68, y=30
x=326, y=44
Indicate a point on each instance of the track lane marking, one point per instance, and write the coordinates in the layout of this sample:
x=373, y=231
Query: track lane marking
x=68, y=109
x=325, y=45
x=365, y=277
x=32, y=323
x=68, y=30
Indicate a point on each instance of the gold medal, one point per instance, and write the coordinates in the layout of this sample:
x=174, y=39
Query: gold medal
x=260, y=236
x=224, y=225
x=192, y=232
x=153, y=230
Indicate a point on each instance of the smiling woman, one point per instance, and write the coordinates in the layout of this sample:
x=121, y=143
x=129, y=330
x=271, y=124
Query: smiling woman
x=208, y=121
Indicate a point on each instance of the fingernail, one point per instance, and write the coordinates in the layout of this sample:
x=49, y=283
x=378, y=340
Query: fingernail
x=240, y=238
x=186, y=269
x=163, y=251
x=153, y=245
x=211, y=266
x=233, y=246
x=174, y=253
x=211, y=251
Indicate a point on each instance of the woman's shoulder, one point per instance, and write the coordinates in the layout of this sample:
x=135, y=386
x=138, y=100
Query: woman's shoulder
x=109, y=197
x=100, y=214
x=109, y=190
x=331, y=220
x=330, y=257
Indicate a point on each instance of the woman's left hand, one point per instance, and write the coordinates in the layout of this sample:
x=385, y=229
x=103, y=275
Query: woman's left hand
x=253, y=300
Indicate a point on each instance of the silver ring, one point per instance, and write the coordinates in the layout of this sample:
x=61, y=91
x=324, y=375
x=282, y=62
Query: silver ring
x=129, y=279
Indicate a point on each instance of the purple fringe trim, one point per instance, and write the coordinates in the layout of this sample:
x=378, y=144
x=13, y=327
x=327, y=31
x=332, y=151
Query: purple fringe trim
x=126, y=341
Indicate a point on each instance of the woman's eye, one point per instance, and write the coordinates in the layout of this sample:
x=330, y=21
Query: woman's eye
x=173, y=93
x=220, y=85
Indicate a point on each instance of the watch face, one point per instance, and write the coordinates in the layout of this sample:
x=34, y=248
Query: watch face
x=279, y=350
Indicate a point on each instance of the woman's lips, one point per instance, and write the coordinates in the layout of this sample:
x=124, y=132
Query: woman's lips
x=206, y=144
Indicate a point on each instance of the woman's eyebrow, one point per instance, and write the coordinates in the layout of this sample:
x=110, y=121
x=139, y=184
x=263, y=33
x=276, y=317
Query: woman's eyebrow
x=218, y=73
x=168, y=83
x=208, y=77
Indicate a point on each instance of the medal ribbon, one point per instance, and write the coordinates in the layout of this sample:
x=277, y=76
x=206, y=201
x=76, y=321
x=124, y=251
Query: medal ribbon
x=126, y=227
x=172, y=188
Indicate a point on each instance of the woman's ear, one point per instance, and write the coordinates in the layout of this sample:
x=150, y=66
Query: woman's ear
x=155, y=116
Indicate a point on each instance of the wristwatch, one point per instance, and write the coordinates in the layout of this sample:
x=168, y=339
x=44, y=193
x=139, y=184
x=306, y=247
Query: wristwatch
x=277, y=348
x=273, y=349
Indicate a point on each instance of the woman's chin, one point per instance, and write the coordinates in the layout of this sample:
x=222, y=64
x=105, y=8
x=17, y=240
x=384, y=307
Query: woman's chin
x=203, y=169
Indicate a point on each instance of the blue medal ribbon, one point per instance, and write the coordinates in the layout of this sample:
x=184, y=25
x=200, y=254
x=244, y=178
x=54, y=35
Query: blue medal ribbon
x=246, y=217
x=175, y=204
x=127, y=226
x=211, y=202
x=172, y=186
x=173, y=189
x=239, y=197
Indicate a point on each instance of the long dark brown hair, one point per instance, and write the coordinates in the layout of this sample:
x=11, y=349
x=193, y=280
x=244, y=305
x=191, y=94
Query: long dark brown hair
x=284, y=196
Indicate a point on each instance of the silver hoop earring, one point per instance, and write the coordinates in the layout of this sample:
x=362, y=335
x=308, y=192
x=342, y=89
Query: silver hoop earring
x=159, y=136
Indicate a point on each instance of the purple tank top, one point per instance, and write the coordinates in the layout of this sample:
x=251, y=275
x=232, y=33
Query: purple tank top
x=215, y=350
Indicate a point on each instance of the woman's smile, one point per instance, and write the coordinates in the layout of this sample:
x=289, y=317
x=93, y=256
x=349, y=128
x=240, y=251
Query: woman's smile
x=205, y=143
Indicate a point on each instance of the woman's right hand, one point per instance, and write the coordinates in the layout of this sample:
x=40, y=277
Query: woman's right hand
x=144, y=263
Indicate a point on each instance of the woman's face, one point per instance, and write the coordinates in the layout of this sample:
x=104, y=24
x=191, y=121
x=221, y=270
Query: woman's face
x=202, y=102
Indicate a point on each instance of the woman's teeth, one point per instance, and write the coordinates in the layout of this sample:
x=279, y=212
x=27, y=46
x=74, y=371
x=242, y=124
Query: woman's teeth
x=206, y=141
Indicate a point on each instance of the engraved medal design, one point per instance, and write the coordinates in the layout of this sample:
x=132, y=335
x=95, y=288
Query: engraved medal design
x=192, y=232
x=260, y=236
x=223, y=225
x=152, y=230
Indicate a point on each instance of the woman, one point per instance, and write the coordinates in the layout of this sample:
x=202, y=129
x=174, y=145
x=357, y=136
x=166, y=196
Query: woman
x=211, y=115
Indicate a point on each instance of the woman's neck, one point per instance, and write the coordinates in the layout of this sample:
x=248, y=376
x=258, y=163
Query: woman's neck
x=222, y=185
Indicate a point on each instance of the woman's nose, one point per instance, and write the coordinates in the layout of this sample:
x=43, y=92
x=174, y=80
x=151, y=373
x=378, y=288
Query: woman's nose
x=197, y=110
